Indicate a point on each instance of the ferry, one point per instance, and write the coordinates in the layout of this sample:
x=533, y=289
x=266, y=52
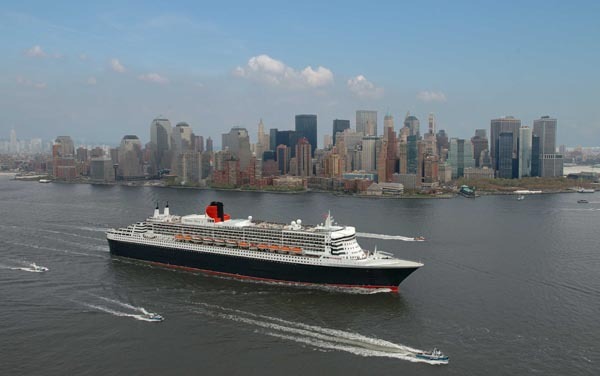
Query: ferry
x=294, y=253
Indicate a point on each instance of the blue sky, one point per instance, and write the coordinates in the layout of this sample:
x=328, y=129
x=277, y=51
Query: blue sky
x=98, y=71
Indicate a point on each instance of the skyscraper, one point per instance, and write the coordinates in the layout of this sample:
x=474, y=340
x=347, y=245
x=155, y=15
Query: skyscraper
x=524, y=152
x=366, y=122
x=237, y=142
x=460, y=156
x=505, y=155
x=480, y=143
x=412, y=154
x=339, y=126
x=130, y=158
x=503, y=125
x=14, y=145
x=369, y=153
x=551, y=163
x=160, y=141
x=432, y=124
x=209, y=145
x=388, y=122
x=262, y=142
x=413, y=125
x=283, y=159
x=181, y=138
x=303, y=157
x=306, y=126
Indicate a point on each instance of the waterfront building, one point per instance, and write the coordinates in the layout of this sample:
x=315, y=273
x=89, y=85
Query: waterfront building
x=412, y=123
x=550, y=162
x=408, y=181
x=303, y=158
x=130, y=158
x=441, y=139
x=366, y=122
x=444, y=172
x=460, y=156
x=369, y=153
x=237, y=142
x=507, y=124
x=283, y=158
x=535, y=156
x=101, y=169
x=160, y=140
x=525, y=138
x=479, y=173
x=306, y=126
x=480, y=143
x=505, y=156
x=190, y=167
x=485, y=160
x=63, y=158
x=339, y=126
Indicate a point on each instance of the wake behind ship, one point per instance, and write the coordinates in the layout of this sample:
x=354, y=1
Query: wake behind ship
x=326, y=254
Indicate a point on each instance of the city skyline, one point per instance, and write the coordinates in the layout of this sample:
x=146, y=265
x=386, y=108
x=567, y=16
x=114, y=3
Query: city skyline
x=103, y=72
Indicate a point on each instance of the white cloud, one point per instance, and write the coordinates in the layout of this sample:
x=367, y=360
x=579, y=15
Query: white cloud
x=431, y=96
x=28, y=83
x=35, y=51
x=116, y=65
x=92, y=81
x=363, y=88
x=154, y=77
x=265, y=69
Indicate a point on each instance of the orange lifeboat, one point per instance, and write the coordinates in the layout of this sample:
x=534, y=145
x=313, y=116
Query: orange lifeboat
x=187, y=238
x=285, y=249
x=178, y=237
x=296, y=249
x=262, y=247
x=273, y=248
x=244, y=245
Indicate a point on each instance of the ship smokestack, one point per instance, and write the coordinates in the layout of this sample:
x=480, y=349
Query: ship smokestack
x=156, y=211
x=167, y=209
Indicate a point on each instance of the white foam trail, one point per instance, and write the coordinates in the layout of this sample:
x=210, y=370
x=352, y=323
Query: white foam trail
x=118, y=313
x=52, y=249
x=387, y=237
x=122, y=304
x=324, y=338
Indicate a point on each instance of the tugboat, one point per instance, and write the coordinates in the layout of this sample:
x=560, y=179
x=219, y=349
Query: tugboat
x=435, y=355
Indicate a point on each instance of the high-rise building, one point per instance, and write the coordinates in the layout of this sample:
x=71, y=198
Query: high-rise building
x=262, y=142
x=339, y=126
x=412, y=123
x=181, y=138
x=369, y=153
x=65, y=146
x=130, y=158
x=306, y=126
x=303, y=157
x=443, y=144
x=63, y=154
x=160, y=140
x=283, y=158
x=101, y=169
x=366, y=122
x=237, y=142
x=209, y=144
x=505, y=156
x=412, y=154
x=535, y=156
x=388, y=122
x=503, y=125
x=190, y=166
x=480, y=143
x=524, y=152
x=432, y=124
x=551, y=163
x=460, y=156
x=14, y=145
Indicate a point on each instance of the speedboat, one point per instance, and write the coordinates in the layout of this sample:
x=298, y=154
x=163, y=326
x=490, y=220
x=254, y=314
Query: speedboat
x=585, y=190
x=521, y=197
x=154, y=317
x=36, y=268
x=435, y=355
x=582, y=201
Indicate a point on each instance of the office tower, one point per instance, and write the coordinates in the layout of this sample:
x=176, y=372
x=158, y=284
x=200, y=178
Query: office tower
x=209, y=145
x=63, y=163
x=64, y=146
x=273, y=139
x=369, y=153
x=303, y=157
x=181, y=138
x=306, y=126
x=535, y=156
x=524, y=152
x=460, y=156
x=412, y=155
x=199, y=144
x=388, y=122
x=338, y=127
x=366, y=122
x=505, y=155
x=262, y=140
x=327, y=141
x=130, y=158
x=160, y=140
x=413, y=125
x=485, y=160
x=237, y=142
x=283, y=159
x=189, y=166
x=441, y=138
x=480, y=143
x=503, y=125
x=81, y=154
x=101, y=169
x=551, y=163
x=431, y=121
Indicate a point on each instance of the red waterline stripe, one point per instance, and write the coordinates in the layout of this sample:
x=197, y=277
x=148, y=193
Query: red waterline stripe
x=238, y=276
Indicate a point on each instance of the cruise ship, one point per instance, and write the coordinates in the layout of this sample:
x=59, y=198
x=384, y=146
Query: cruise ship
x=214, y=243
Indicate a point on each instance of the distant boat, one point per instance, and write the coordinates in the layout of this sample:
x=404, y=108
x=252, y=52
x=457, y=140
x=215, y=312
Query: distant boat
x=45, y=181
x=37, y=268
x=467, y=191
x=154, y=317
x=521, y=197
x=582, y=201
x=586, y=190
x=435, y=355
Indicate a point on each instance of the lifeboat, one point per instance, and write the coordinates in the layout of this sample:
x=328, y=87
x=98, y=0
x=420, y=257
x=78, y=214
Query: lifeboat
x=187, y=238
x=262, y=247
x=296, y=249
x=178, y=237
x=253, y=247
x=243, y=245
x=219, y=242
x=230, y=243
x=285, y=249
x=208, y=240
x=273, y=248
x=196, y=239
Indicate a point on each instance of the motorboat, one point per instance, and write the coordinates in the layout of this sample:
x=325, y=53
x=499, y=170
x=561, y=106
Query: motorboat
x=586, y=190
x=521, y=197
x=36, y=268
x=154, y=317
x=435, y=355
x=583, y=202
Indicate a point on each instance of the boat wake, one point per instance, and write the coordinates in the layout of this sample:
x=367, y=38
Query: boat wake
x=388, y=237
x=115, y=307
x=315, y=336
x=32, y=268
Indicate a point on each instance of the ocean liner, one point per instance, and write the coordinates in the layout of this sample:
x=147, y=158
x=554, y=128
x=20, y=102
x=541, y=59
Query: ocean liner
x=214, y=243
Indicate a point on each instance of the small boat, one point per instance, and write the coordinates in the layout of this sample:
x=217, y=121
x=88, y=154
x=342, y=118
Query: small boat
x=521, y=197
x=45, y=181
x=219, y=242
x=230, y=243
x=179, y=237
x=196, y=239
x=243, y=245
x=208, y=240
x=187, y=238
x=253, y=247
x=583, y=202
x=154, y=317
x=296, y=249
x=585, y=190
x=419, y=238
x=435, y=355
x=36, y=268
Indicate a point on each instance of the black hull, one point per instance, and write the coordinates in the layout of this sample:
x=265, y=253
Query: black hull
x=243, y=267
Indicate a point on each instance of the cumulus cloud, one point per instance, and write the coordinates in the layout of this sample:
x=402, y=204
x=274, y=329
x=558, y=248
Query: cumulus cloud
x=363, y=88
x=431, y=96
x=154, y=77
x=35, y=51
x=116, y=65
x=265, y=69
x=92, y=81
x=28, y=83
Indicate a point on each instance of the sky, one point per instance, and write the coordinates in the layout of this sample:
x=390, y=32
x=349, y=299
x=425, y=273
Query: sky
x=99, y=70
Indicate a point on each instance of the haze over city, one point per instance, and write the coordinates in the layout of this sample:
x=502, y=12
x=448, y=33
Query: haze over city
x=98, y=71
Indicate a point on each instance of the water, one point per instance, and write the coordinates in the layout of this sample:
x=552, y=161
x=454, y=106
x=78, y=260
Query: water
x=508, y=287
